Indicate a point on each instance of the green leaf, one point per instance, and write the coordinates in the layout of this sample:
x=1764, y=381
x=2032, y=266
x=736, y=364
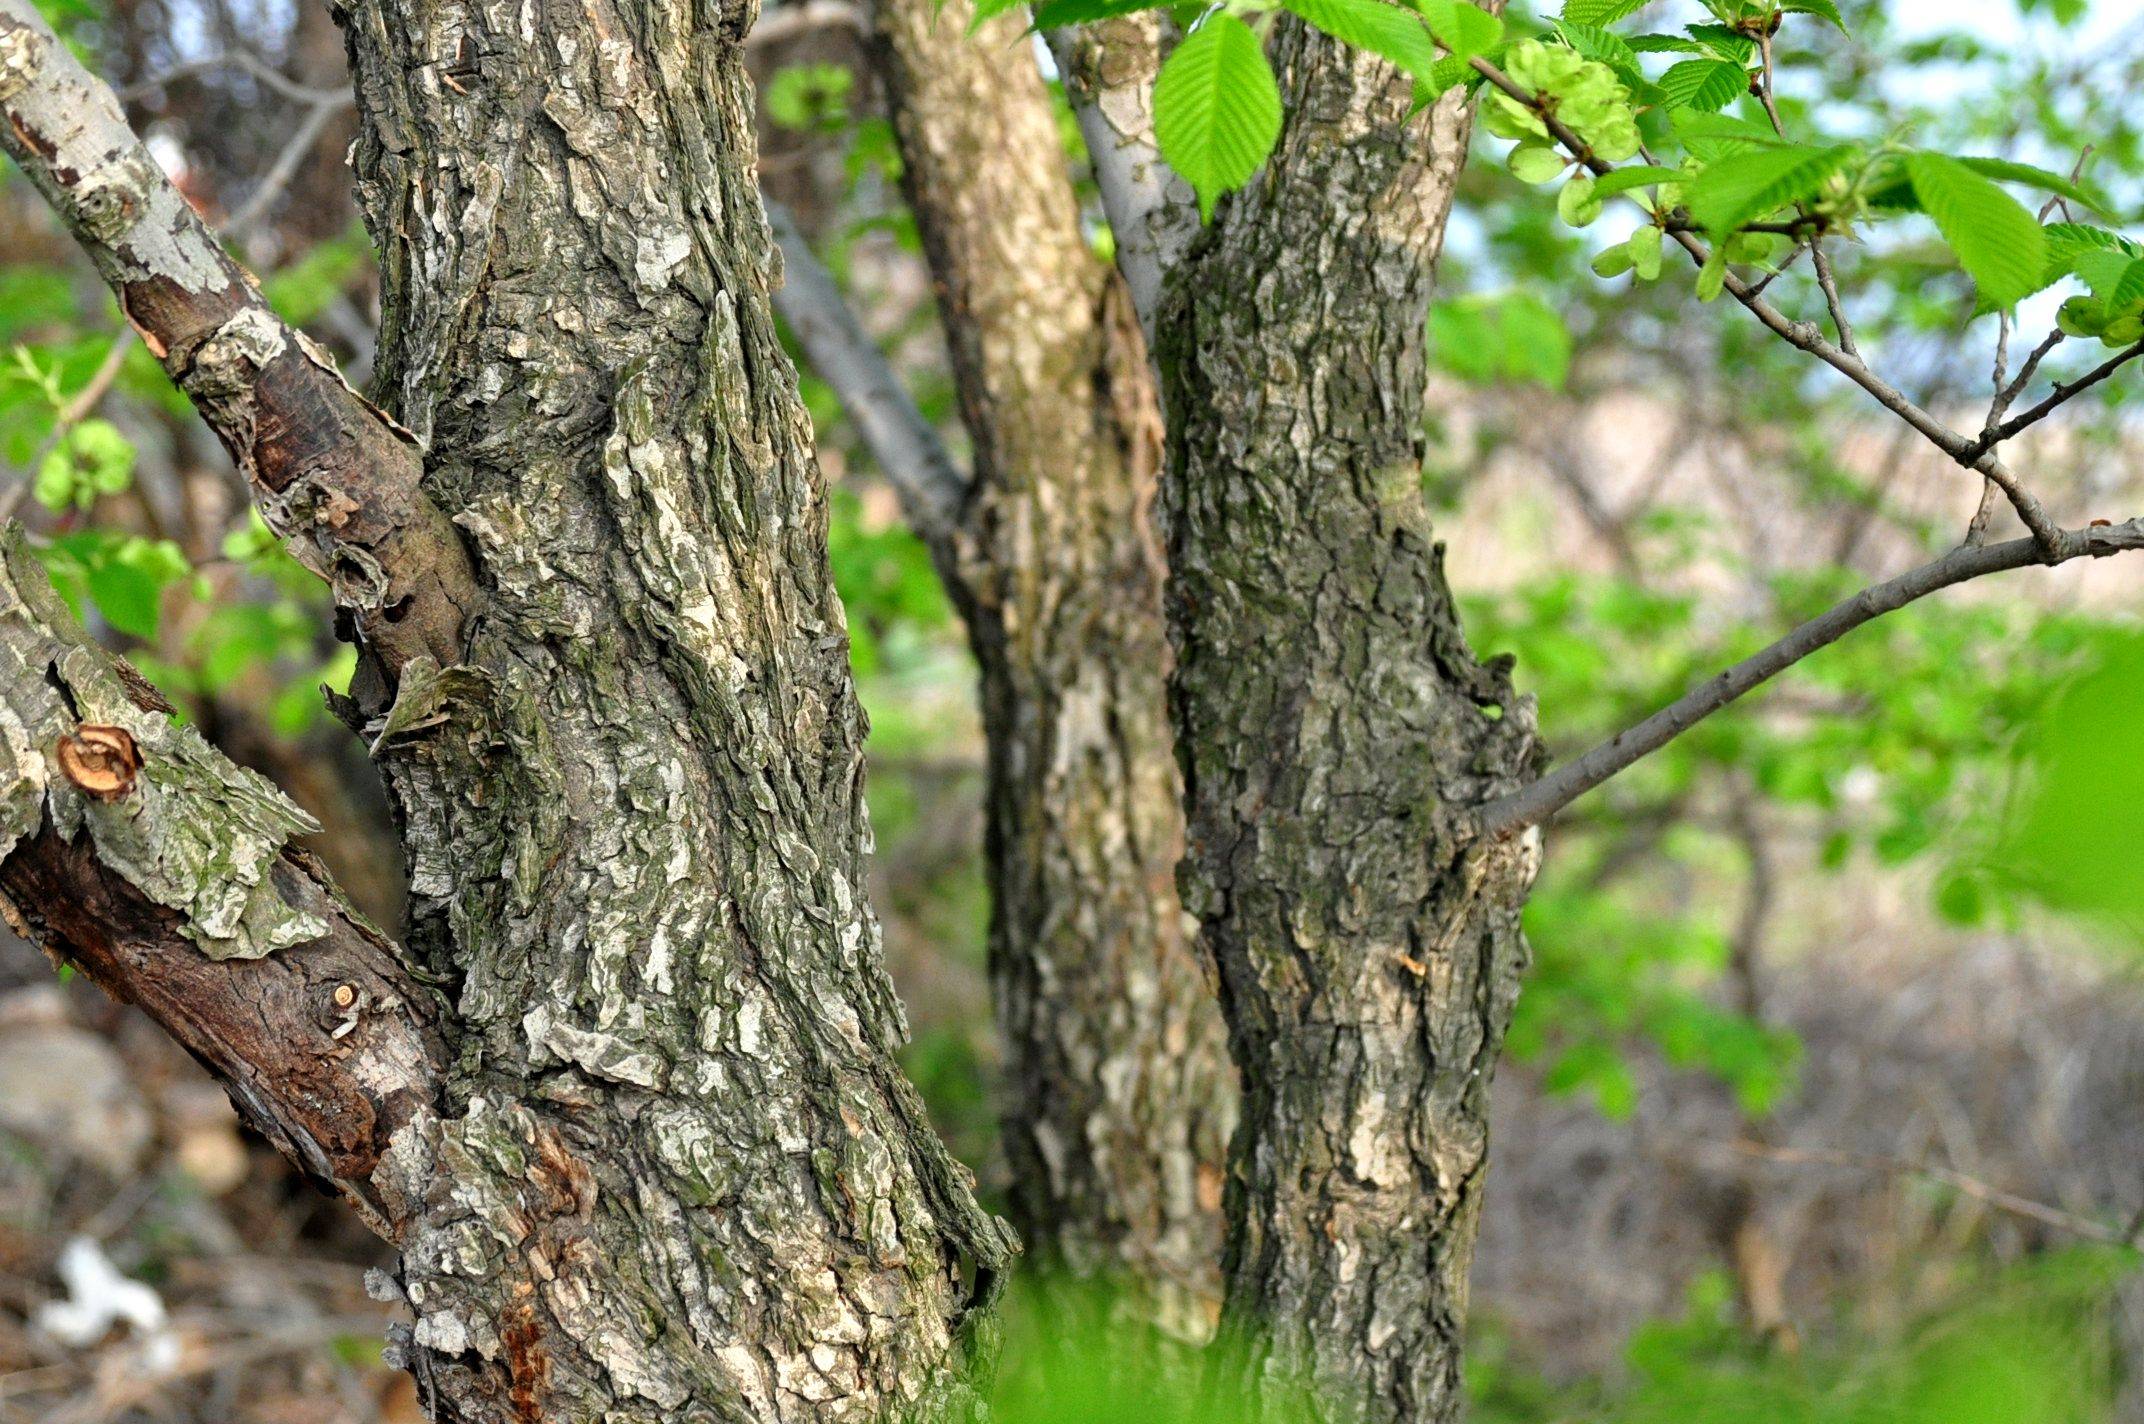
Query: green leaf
x=1384, y=30
x=1596, y=43
x=1613, y=261
x=1745, y=186
x=1600, y=12
x=1645, y=253
x=1622, y=180
x=1710, y=136
x=1665, y=44
x=1461, y=28
x=1712, y=277
x=1997, y=241
x=1577, y=204
x=1057, y=14
x=1704, y=85
x=1217, y=108
x=2006, y=171
x=988, y=10
x=1822, y=9
x=1724, y=42
x=1537, y=163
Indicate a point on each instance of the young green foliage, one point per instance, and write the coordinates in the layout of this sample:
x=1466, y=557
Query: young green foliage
x=1217, y=107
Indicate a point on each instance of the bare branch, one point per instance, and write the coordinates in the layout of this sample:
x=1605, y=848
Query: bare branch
x=1830, y=286
x=2063, y=392
x=1108, y=69
x=240, y=59
x=1965, y=1185
x=931, y=487
x=1804, y=336
x=134, y=851
x=330, y=473
x=1540, y=799
x=285, y=167
x=2005, y=395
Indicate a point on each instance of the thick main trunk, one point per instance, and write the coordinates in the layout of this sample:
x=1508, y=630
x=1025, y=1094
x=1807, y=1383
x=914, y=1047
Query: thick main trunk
x=1334, y=729
x=677, y=1175
x=1122, y=1097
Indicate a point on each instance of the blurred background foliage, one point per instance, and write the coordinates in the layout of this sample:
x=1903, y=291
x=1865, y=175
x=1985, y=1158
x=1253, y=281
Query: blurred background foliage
x=1826, y=1096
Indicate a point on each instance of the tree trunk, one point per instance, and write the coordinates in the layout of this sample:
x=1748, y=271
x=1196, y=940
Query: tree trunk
x=1334, y=730
x=681, y=1176
x=1122, y=1097
x=648, y=1156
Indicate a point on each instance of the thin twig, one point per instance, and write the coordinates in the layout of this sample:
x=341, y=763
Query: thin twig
x=285, y=166
x=1969, y=1186
x=1539, y=800
x=2063, y=391
x=78, y=408
x=1806, y=337
x=251, y=63
x=1830, y=286
x=2006, y=395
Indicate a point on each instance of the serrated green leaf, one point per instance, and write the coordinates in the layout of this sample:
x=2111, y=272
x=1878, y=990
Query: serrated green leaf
x=1704, y=86
x=1744, y=186
x=1664, y=44
x=1713, y=136
x=2066, y=240
x=1217, y=108
x=1822, y=9
x=1448, y=73
x=1596, y=43
x=1996, y=240
x=1461, y=28
x=1599, y=12
x=2006, y=171
x=1724, y=42
x=1384, y=30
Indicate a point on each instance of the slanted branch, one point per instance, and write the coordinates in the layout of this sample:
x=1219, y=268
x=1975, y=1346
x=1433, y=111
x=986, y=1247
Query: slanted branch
x=134, y=851
x=332, y=475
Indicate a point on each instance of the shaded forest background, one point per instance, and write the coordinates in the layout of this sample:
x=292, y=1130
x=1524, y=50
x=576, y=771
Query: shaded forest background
x=1808, y=1095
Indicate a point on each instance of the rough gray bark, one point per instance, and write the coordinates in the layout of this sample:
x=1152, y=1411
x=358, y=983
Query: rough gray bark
x=1121, y=1094
x=1335, y=734
x=668, y=1168
x=132, y=849
x=682, y=1176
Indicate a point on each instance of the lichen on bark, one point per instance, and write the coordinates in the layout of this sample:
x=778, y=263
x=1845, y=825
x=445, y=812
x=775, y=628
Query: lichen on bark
x=1120, y=1097
x=1335, y=731
x=677, y=1174
x=190, y=831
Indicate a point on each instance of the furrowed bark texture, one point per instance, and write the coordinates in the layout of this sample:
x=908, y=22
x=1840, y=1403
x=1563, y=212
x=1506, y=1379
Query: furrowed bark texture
x=678, y=1175
x=133, y=850
x=1334, y=731
x=1122, y=1096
